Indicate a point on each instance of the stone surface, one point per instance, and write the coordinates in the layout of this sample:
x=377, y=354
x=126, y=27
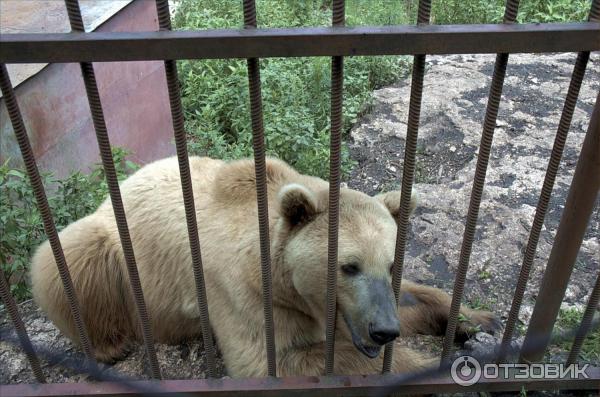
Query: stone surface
x=454, y=99
x=455, y=94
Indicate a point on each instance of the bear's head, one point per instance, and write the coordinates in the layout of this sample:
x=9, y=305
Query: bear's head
x=367, y=236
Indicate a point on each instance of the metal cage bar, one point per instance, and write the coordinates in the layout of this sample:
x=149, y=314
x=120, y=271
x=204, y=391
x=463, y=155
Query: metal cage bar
x=408, y=171
x=369, y=385
x=299, y=42
x=586, y=323
x=91, y=88
x=573, y=223
x=335, y=148
x=542, y=206
x=164, y=22
x=15, y=317
x=260, y=169
x=42, y=202
x=489, y=125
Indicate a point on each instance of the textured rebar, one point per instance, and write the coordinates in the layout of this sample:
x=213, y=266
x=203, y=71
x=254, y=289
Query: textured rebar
x=549, y=179
x=42, y=203
x=335, y=148
x=258, y=144
x=594, y=11
x=91, y=88
x=487, y=137
x=164, y=22
x=13, y=312
x=586, y=323
x=249, y=7
x=408, y=173
x=424, y=12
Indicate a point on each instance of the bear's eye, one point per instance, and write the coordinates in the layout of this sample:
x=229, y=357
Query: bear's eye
x=351, y=269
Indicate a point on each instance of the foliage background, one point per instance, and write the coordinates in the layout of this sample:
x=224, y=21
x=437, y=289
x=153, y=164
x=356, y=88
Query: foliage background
x=295, y=90
x=21, y=228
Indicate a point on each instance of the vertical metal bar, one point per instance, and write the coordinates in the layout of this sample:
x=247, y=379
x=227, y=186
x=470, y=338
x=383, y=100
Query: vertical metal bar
x=578, y=210
x=42, y=203
x=337, y=87
x=586, y=323
x=13, y=312
x=260, y=169
x=164, y=22
x=414, y=114
x=542, y=206
x=89, y=79
x=510, y=15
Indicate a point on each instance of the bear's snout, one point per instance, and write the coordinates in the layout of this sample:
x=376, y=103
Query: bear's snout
x=382, y=334
x=384, y=327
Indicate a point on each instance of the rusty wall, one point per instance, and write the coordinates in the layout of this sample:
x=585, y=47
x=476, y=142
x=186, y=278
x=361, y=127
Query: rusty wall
x=57, y=115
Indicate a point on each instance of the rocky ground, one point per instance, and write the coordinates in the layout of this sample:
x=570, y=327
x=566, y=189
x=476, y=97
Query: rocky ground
x=455, y=95
x=454, y=99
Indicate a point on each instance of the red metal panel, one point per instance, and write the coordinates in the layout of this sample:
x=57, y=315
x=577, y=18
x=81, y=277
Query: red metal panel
x=57, y=116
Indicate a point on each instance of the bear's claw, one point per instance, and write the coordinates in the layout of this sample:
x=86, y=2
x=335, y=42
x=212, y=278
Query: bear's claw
x=477, y=321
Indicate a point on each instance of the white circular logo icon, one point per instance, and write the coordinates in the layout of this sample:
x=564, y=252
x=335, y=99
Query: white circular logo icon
x=465, y=371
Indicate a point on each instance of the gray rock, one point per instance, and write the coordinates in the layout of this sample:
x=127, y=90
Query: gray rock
x=454, y=98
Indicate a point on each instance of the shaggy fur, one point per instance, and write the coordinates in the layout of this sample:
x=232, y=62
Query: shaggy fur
x=226, y=212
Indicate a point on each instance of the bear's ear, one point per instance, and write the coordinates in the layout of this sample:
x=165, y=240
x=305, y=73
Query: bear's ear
x=297, y=204
x=392, y=201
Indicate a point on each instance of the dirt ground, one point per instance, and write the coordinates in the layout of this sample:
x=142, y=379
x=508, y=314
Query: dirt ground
x=455, y=94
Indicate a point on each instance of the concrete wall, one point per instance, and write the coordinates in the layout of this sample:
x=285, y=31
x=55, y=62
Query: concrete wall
x=57, y=117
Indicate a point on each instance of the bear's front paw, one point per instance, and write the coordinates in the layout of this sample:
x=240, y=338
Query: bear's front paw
x=472, y=321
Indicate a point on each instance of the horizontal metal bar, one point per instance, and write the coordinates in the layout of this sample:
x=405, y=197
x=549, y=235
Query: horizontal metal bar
x=297, y=42
x=369, y=385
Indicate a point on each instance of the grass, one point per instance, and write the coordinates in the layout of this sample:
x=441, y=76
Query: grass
x=492, y=11
x=569, y=320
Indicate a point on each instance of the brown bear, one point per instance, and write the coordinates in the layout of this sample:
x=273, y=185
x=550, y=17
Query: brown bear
x=226, y=211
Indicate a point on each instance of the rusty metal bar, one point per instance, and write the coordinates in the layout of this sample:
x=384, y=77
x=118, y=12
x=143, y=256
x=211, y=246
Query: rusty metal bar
x=42, y=202
x=91, y=88
x=371, y=385
x=408, y=171
x=13, y=312
x=260, y=169
x=578, y=210
x=586, y=323
x=299, y=42
x=164, y=21
x=542, y=206
x=487, y=136
x=335, y=147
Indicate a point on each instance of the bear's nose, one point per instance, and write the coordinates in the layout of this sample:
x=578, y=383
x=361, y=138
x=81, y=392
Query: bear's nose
x=382, y=335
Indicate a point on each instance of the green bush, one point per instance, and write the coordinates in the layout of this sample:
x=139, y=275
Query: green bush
x=296, y=104
x=21, y=228
x=492, y=11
